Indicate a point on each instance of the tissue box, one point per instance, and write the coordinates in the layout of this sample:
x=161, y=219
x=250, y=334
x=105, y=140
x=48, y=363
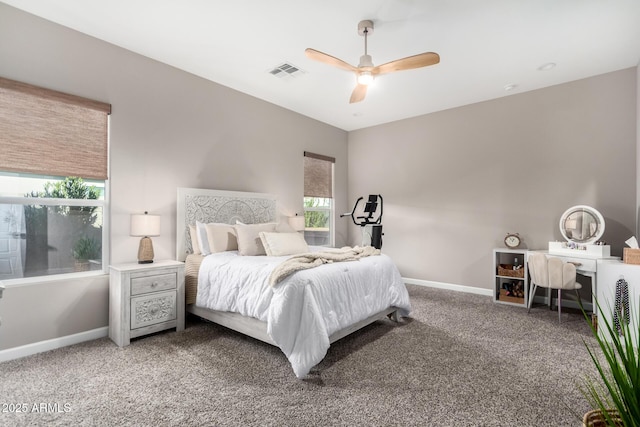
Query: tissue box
x=631, y=256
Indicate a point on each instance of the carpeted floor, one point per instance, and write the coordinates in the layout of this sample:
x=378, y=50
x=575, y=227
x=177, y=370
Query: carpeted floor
x=460, y=360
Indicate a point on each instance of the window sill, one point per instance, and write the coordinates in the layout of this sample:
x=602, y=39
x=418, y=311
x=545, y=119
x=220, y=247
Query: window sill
x=27, y=281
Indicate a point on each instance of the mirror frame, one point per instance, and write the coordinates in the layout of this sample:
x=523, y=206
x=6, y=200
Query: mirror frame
x=583, y=208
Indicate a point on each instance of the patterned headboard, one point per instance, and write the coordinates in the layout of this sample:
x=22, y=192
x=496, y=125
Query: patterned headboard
x=219, y=206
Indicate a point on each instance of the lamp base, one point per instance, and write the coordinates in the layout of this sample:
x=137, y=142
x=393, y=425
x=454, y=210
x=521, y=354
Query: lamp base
x=145, y=251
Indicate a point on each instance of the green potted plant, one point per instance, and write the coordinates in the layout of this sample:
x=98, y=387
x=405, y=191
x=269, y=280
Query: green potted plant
x=615, y=393
x=84, y=250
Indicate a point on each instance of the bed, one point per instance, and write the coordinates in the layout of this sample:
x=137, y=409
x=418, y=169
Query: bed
x=303, y=313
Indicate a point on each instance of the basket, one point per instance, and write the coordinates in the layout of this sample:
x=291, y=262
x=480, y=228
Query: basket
x=508, y=298
x=596, y=419
x=631, y=256
x=507, y=270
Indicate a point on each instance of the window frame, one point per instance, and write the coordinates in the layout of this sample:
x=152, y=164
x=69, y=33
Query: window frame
x=48, y=201
x=331, y=209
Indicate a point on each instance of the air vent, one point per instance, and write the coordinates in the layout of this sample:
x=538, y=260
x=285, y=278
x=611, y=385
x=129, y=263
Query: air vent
x=286, y=71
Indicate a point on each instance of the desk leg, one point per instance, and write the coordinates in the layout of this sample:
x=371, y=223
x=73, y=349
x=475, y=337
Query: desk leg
x=594, y=291
x=594, y=288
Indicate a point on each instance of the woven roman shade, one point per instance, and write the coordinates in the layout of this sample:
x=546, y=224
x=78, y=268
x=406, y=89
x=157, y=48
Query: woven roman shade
x=318, y=175
x=46, y=132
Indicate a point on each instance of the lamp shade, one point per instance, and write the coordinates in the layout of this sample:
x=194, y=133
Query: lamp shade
x=145, y=225
x=296, y=222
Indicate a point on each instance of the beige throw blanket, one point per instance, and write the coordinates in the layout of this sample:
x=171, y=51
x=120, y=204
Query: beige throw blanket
x=314, y=259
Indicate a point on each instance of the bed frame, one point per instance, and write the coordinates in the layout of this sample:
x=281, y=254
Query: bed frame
x=249, y=208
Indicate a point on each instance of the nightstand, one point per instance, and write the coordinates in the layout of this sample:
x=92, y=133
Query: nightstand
x=145, y=298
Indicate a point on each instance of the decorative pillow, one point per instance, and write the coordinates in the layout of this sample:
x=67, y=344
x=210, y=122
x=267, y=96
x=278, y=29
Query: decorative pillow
x=249, y=242
x=280, y=244
x=222, y=237
x=203, y=241
x=195, y=244
x=281, y=227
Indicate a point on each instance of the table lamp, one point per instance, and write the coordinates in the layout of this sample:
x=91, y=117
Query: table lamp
x=145, y=225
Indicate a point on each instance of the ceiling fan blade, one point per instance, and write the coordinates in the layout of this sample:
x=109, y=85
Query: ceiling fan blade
x=408, y=63
x=328, y=59
x=358, y=93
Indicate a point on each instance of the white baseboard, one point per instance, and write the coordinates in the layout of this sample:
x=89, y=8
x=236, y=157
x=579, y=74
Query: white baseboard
x=566, y=302
x=449, y=286
x=52, y=344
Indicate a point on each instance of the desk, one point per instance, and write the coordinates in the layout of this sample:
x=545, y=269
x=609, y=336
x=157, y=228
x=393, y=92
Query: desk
x=586, y=265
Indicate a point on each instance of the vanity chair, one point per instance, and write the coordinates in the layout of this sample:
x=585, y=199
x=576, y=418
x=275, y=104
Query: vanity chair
x=551, y=273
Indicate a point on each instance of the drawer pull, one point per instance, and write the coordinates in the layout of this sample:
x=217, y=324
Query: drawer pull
x=142, y=285
x=577, y=264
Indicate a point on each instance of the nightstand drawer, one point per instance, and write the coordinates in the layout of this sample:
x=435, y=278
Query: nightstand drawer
x=153, y=283
x=153, y=308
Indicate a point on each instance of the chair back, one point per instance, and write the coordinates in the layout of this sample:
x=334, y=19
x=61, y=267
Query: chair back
x=551, y=272
x=538, y=270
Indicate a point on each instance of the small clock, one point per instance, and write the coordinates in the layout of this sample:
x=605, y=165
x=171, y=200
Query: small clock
x=512, y=240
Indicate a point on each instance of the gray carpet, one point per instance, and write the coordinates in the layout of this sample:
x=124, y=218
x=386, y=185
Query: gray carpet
x=460, y=360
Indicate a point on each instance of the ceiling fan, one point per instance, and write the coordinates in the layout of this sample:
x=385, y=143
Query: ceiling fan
x=366, y=71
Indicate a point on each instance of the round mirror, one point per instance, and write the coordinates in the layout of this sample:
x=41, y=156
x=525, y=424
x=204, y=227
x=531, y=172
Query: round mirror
x=582, y=224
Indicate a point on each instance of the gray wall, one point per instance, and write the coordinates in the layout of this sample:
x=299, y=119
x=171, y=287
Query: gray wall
x=168, y=129
x=449, y=189
x=455, y=182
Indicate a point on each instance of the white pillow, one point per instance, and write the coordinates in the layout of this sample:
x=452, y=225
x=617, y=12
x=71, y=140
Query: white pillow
x=281, y=227
x=222, y=237
x=249, y=242
x=195, y=244
x=280, y=244
x=201, y=232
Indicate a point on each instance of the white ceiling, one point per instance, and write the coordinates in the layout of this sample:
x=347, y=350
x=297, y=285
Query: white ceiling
x=484, y=46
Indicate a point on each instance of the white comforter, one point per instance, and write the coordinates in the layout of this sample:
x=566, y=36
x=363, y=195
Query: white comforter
x=305, y=308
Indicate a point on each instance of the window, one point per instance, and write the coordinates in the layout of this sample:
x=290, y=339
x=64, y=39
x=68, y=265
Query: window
x=318, y=199
x=56, y=229
x=53, y=179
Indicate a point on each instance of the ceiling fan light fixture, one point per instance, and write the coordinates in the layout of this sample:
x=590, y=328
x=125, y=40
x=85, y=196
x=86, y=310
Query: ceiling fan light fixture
x=365, y=78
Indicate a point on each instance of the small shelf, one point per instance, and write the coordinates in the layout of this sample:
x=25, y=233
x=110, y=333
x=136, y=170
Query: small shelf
x=510, y=286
